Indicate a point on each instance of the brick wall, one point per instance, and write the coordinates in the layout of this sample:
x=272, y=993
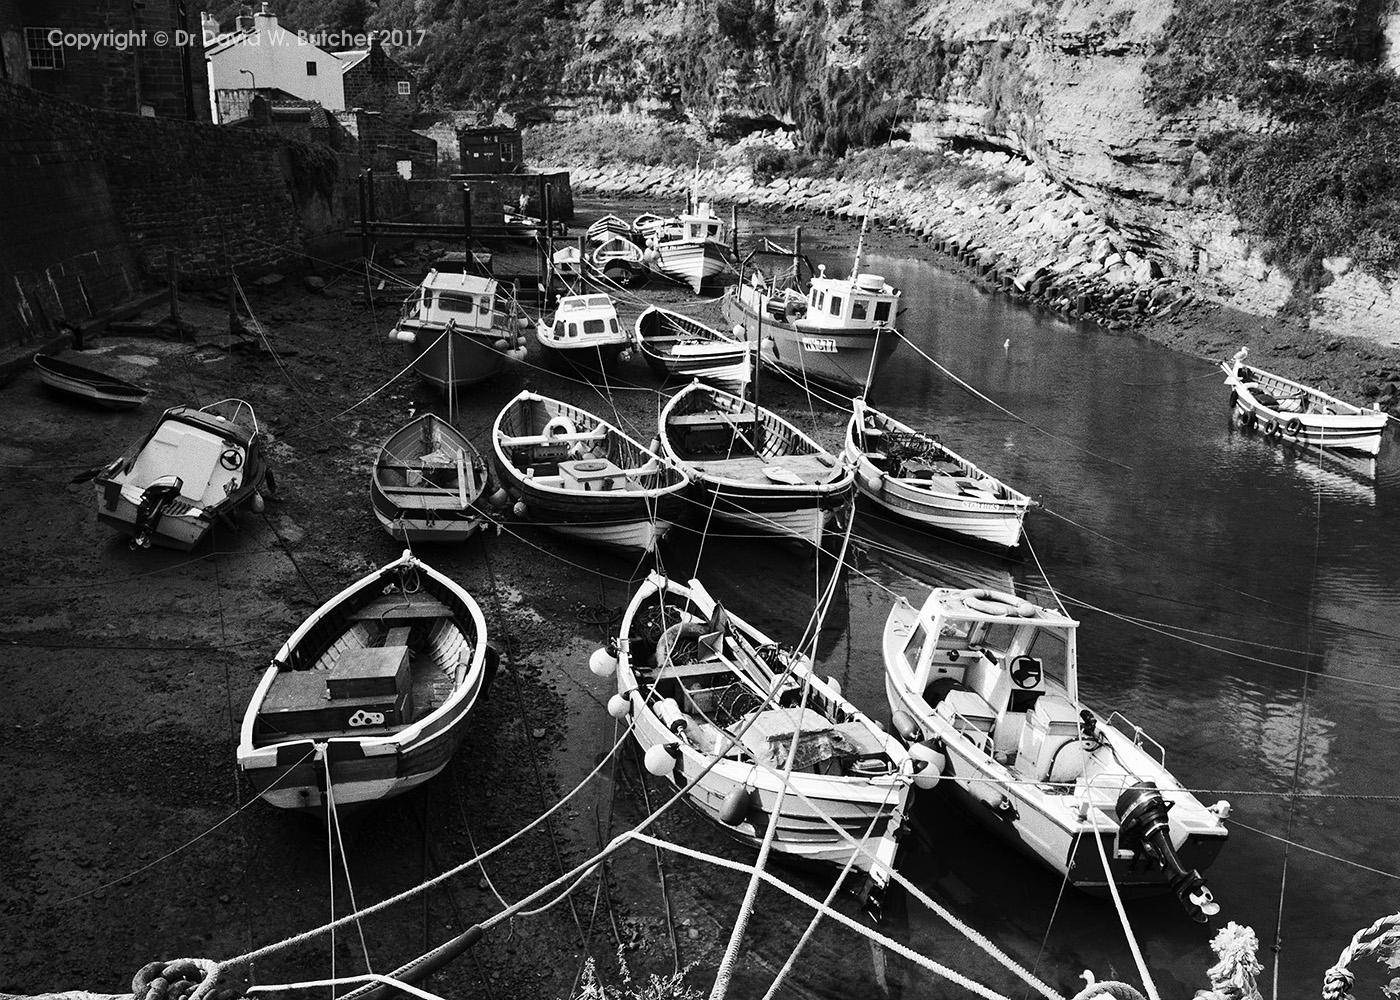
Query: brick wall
x=383, y=142
x=127, y=189
x=373, y=84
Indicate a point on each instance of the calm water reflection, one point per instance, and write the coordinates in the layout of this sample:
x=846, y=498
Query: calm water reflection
x=1212, y=571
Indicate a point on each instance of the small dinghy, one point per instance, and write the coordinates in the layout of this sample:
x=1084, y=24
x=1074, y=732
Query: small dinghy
x=716, y=707
x=371, y=696
x=427, y=482
x=195, y=468
x=78, y=381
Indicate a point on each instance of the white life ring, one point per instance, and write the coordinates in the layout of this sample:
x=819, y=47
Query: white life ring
x=994, y=602
x=559, y=426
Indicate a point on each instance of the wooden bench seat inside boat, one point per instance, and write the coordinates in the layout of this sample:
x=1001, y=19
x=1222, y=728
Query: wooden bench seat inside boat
x=814, y=468
x=401, y=606
x=299, y=703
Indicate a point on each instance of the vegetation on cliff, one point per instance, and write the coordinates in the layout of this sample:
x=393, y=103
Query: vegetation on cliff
x=1325, y=180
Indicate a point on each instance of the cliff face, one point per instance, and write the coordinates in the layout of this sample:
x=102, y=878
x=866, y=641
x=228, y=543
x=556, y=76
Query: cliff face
x=1062, y=85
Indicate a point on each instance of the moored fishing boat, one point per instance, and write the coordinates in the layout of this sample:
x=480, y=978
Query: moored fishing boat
x=195, y=468
x=915, y=475
x=679, y=346
x=617, y=259
x=1281, y=408
x=577, y=475
x=463, y=326
x=836, y=332
x=427, y=483
x=585, y=332
x=692, y=252
x=754, y=469
x=91, y=385
x=991, y=682
x=371, y=696
x=610, y=227
x=722, y=711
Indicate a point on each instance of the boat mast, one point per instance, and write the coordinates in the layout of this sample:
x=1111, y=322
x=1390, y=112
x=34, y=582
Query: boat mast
x=864, y=224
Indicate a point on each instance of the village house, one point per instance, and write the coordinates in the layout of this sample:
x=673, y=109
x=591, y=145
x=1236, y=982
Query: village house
x=261, y=55
x=376, y=81
x=494, y=149
x=143, y=58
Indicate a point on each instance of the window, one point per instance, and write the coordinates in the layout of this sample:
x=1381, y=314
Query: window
x=450, y=302
x=43, y=54
x=405, y=88
x=836, y=305
x=915, y=646
x=882, y=312
x=310, y=68
x=858, y=308
x=507, y=152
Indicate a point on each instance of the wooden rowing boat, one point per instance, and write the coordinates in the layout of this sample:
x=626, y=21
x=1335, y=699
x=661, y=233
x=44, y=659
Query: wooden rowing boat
x=78, y=381
x=370, y=697
x=427, y=483
x=679, y=346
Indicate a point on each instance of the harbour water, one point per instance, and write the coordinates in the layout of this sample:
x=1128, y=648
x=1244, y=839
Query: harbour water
x=1237, y=601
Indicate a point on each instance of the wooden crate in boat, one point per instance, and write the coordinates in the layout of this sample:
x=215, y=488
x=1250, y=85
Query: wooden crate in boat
x=298, y=702
x=380, y=671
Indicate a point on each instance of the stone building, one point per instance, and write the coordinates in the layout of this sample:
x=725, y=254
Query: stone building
x=144, y=58
x=376, y=81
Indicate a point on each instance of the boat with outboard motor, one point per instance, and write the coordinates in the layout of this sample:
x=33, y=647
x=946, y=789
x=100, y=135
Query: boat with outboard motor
x=195, y=468
x=722, y=712
x=1281, y=408
x=990, y=682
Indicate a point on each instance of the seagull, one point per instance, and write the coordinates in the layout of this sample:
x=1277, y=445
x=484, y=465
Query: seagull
x=1006, y=346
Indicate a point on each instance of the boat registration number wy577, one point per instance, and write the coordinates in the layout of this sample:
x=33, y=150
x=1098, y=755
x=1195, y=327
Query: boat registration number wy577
x=821, y=345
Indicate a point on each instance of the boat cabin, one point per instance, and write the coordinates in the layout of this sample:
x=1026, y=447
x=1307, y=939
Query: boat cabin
x=1000, y=669
x=700, y=225
x=867, y=301
x=586, y=317
x=467, y=300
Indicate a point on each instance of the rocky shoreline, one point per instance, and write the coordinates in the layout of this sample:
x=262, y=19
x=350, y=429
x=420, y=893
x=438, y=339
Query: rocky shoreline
x=1008, y=226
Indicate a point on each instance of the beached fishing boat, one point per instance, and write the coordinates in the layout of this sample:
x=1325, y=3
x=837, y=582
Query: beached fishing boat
x=990, y=682
x=371, y=695
x=754, y=469
x=463, y=326
x=915, y=475
x=585, y=332
x=617, y=259
x=579, y=476
x=195, y=468
x=722, y=711
x=427, y=483
x=610, y=227
x=1281, y=408
x=692, y=252
x=679, y=346
x=836, y=332
x=91, y=385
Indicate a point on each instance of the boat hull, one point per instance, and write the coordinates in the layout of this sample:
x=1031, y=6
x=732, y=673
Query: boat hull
x=849, y=360
x=693, y=264
x=426, y=483
x=452, y=361
x=593, y=358
x=1290, y=411
x=97, y=388
x=678, y=347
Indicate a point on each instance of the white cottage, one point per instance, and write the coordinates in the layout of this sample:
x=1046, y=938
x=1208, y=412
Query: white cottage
x=260, y=54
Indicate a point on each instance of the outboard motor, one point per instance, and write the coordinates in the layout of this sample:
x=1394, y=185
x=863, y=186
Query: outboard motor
x=154, y=499
x=1144, y=829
